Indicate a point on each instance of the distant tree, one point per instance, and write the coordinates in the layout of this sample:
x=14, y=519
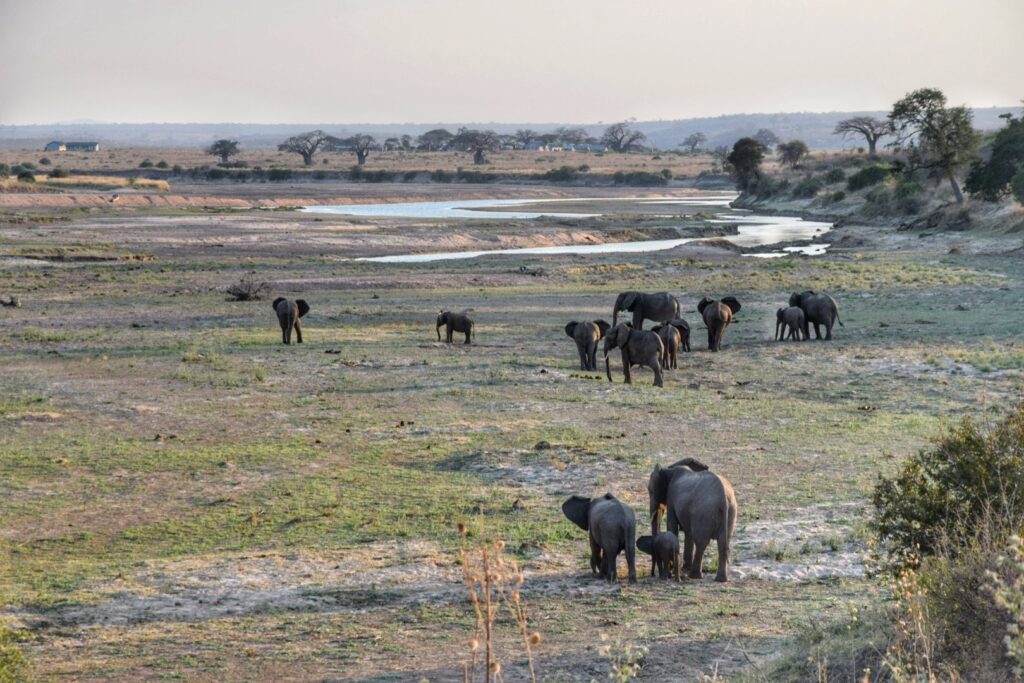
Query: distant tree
x=870, y=128
x=767, y=138
x=225, y=149
x=1017, y=185
x=434, y=140
x=361, y=144
x=547, y=139
x=525, y=136
x=5, y=171
x=571, y=136
x=307, y=144
x=721, y=155
x=619, y=137
x=936, y=138
x=406, y=142
x=745, y=162
x=790, y=153
x=477, y=141
x=990, y=180
x=694, y=141
x=391, y=144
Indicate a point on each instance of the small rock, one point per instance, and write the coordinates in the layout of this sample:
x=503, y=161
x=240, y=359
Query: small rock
x=542, y=371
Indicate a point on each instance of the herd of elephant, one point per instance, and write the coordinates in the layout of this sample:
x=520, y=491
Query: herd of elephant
x=694, y=500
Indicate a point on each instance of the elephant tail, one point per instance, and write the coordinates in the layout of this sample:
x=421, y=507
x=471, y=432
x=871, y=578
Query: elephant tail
x=838, y=320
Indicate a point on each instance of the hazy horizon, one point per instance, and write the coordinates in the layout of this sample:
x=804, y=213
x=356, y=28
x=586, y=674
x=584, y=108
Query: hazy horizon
x=401, y=61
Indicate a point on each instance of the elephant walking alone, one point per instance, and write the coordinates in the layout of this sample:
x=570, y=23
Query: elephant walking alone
x=454, y=322
x=288, y=314
x=639, y=347
x=819, y=309
x=643, y=306
x=586, y=335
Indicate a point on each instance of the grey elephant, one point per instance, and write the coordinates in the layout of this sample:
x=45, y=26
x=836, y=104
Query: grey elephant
x=586, y=335
x=791, y=318
x=819, y=309
x=699, y=503
x=675, y=335
x=288, y=314
x=639, y=347
x=664, y=551
x=643, y=306
x=454, y=322
x=611, y=526
x=717, y=316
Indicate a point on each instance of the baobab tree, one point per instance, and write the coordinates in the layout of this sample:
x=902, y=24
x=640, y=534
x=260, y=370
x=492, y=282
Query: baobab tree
x=619, y=137
x=225, y=149
x=870, y=128
x=361, y=144
x=524, y=136
x=477, y=141
x=307, y=144
x=693, y=142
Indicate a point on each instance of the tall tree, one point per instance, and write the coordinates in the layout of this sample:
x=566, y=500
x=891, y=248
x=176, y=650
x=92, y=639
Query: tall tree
x=767, y=138
x=694, y=141
x=225, y=149
x=406, y=142
x=790, y=153
x=361, y=144
x=307, y=144
x=745, y=160
x=477, y=141
x=721, y=155
x=619, y=137
x=935, y=137
x=434, y=140
x=525, y=136
x=571, y=136
x=870, y=128
x=990, y=179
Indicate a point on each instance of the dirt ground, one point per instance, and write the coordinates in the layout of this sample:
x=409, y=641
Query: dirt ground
x=183, y=497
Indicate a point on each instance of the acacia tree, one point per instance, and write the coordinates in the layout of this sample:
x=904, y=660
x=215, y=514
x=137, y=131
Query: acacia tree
x=434, y=140
x=307, y=144
x=990, y=179
x=870, y=128
x=571, y=136
x=406, y=142
x=477, y=141
x=790, y=153
x=619, y=137
x=936, y=138
x=225, y=149
x=361, y=144
x=721, y=155
x=745, y=161
x=693, y=142
x=767, y=138
x=525, y=136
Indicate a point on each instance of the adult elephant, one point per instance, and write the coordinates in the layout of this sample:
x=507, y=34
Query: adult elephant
x=586, y=335
x=611, y=527
x=643, y=306
x=819, y=309
x=454, y=322
x=288, y=314
x=699, y=503
x=639, y=347
x=717, y=316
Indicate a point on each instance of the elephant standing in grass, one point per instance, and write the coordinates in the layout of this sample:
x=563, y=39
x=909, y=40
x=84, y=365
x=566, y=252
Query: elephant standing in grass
x=791, y=318
x=611, y=525
x=639, y=347
x=675, y=335
x=717, y=316
x=819, y=309
x=701, y=504
x=586, y=335
x=454, y=322
x=643, y=306
x=288, y=314
x=664, y=551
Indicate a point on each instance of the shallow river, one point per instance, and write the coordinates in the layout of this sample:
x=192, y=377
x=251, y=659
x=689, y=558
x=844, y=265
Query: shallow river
x=753, y=230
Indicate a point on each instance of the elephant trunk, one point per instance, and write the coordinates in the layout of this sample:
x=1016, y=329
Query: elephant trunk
x=608, y=367
x=615, y=316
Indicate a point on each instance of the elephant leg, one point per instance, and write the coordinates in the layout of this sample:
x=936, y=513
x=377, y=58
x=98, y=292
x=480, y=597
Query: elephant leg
x=298, y=332
x=609, y=567
x=711, y=339
x=673, y=528
x=469, y=332
x=697, y=567
x=722, y=575
x=658, y=377
x=817, y=331
x=631, y=560
x=284, y=334
x=687, y=551
x=625, y=368
x=595, y=557
x=828, y=331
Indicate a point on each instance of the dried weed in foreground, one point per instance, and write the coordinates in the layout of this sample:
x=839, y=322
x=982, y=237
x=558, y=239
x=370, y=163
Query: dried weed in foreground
x=492, y=581
x=248, y=289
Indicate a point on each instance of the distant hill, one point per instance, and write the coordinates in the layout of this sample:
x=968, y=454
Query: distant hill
x=812, y=127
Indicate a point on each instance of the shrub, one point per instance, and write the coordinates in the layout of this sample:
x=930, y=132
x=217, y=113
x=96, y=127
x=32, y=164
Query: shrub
x=583, y=168
x=45, y=161
x=247, y=289
x=13, y=664
x=866, y=177
x=907, y=187
x=562, y=174
x=808, y=187
x=837, y=196
x=1017, y=185
x=835, y=175
x=177, y=169
x=5, y=170
x=319, y=175
x=276, y=175
x=410, y=176
x=26, y=177
x=216, y=174
x=666, y=173
x=59, y=173
x=878, y=196
x=28, y=165
x=638, y=178
x=162, y=164
x=440, y=176
x=146, y=163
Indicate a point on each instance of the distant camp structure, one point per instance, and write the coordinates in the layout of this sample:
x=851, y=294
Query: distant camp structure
x=58, y=146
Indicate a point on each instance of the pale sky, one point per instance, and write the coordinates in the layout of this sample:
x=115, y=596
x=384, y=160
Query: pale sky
x=585, y=61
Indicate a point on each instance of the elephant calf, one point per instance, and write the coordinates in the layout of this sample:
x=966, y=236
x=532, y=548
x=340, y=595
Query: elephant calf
x=586, y=335
x=792, y=318
x=819, y=309
x=664, y=549
x=675, y=335
x=639, y=347
x=288, y=314
x=717, y=316
x=454, y=322
x=611, y=525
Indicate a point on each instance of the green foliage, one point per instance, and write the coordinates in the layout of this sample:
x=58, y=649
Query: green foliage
x=59, y=173
x=1008, y=592
x=28, y=165
x=45, y=161
x=26, y=177
x=177, y=169
x=971, y=472
x=13, y=665
x=808, y=187
x=276, y=175
x=5, y=170
x=162, y=164
x=866, y=177
x=146, y=163
x=990, y=180
x=410, y=176
x=561, y=174
x=790, y=153
x=216, y=174
x=225, y=149
x=638, y=178
x=666, y=173
x=835, y=175
x=1017, y=185
x=745, y=161
x=837, y=196
x=441, y=176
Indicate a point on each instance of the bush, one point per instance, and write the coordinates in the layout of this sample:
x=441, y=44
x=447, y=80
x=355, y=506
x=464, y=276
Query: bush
x=835, y=175
x=583, y=168
x=59, y=173
x=837, y=196
x=276, y=175
x=247, y=289
x=878, y=196
x=440, y=176
x=638, y=178
x=146, y=163
x=216, y=174
x=866, y=177
x=319, y=175
x=808, y=187
x=162, y=164
x=666, y=173
x=177, y=169
x=28, y=165
x=907, y=187
x=13, y=664
x=410, y=176
x=26, y=177
x=562, y=174
x=45, y=161
x=1017, y=185
x=5, y=170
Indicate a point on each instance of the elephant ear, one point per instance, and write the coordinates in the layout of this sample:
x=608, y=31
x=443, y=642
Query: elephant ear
x=603, y=326
x=657, y=487
x=629, y=300
x=303, y=307
x=577, y=509
x=276, y=302
x=704, y=303
x=733, y=303
x=570, y=329
x=794, y=299
x=692, y=463
x=680, y=325
x=656, y=329
x=645, y=544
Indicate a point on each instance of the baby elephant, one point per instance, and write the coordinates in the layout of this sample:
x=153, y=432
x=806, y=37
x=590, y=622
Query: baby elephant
x=454, y=322
x=793, y=318
x=664, y=548
x=288, y=314
x=586, y=335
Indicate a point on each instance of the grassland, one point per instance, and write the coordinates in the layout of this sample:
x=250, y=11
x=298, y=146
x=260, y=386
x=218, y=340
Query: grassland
x=185, y=498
